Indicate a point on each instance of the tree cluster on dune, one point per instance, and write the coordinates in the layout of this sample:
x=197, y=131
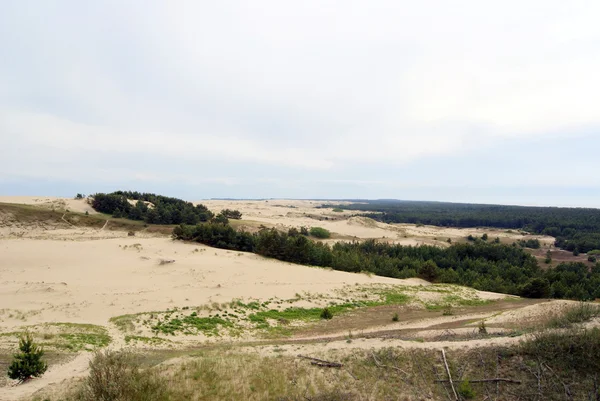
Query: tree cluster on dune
x=485, y=266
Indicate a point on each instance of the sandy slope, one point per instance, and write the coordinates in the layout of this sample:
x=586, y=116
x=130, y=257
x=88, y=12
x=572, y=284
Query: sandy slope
x=90, y=281
x=79, y=275
x=51, y=202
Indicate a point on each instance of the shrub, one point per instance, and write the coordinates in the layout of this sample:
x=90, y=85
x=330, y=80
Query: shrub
x=484, y=237
x=465, y=390
x=326, y=314
x=319, y=232
x=395, y=318
x=571, y=315
x=220, y=219
x=592, y=259
x=576, y=350
x=338, y=210
x=118, y=376
x=447, y=311
x=232, y=214
x=27, y=363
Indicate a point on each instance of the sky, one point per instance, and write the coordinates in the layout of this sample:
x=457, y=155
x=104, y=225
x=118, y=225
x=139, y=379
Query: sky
x=463, y=101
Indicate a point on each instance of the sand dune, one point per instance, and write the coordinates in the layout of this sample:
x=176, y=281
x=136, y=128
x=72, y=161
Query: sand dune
x=59, y=273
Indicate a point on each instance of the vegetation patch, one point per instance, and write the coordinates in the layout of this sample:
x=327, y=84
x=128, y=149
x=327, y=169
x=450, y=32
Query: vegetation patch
x=71, y=337
x=146, y=340
x=319, y=232
x=191, y=324
x=449, y=301
x=571, y=315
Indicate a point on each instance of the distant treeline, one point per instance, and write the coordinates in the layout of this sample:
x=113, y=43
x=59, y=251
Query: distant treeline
x=575, y=229
x=481, y=265
x=163, y=209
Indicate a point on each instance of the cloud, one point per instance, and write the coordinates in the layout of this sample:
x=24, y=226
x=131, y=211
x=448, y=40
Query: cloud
x=291, y=92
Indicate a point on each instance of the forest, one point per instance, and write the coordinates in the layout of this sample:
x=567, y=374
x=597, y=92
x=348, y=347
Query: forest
x=575, y=229
x=481, y=265
x=151, y=208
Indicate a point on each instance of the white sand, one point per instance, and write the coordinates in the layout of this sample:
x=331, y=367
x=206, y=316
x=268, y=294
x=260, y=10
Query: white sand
x=62, y=273
x=51, y=202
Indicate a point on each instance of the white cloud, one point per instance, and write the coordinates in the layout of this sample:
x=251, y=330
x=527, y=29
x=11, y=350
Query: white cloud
x=306, y=86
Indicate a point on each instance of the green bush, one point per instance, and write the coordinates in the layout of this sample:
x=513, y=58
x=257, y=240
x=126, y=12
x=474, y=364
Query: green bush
x=118, y=376
x=320, y=232
x=326, y=314
x=395, y=318
x=27, y=363
x=465, y=390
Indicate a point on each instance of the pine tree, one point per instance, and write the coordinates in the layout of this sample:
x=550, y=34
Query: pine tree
x=27, y=363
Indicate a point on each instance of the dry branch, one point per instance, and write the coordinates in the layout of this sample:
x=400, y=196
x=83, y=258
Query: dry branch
x=495, y=380
x=321, y=362
x=380, y=365
x=449, y=375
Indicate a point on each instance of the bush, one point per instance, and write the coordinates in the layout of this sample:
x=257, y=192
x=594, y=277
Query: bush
x=571, y=315
x=395, y=318
x=27, y=363
x=118, y=376
x=319, y=232
x=232, y=214
x=465, y=390
x=326, y=314
x=592, y=259
x=575, y=350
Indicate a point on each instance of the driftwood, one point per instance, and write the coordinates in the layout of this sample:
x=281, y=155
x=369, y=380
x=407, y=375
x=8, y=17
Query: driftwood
x=449, y=375
x=495, y=380
x=321, y=362
x=380, y=365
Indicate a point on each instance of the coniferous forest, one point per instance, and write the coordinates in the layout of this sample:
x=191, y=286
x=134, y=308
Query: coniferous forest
x=151, y=208
x=575, y=229
x=485, y=266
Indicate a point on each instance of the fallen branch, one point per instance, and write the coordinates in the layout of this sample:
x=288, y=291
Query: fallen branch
x=482, y=381
x=380, y=365
x=449, y=375
x=321, y=362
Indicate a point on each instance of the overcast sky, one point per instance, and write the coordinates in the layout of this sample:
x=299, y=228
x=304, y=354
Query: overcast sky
x=478, y=101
